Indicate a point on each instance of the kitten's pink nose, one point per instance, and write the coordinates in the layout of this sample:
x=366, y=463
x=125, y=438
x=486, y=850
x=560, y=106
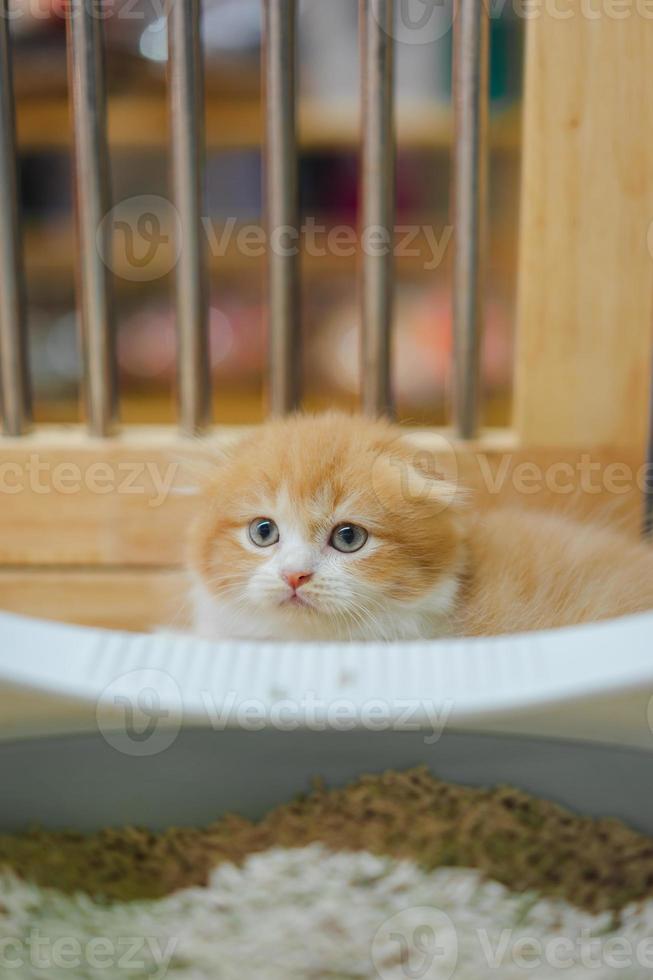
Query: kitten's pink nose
x=297, y=579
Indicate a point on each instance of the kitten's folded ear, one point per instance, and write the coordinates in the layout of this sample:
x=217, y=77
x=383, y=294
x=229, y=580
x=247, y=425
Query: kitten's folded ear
x=412, y=477
x=435, y=458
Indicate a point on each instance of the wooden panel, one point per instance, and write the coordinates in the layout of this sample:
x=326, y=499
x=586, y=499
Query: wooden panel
x=122, y=599
x=586, y=270
x=68, y=500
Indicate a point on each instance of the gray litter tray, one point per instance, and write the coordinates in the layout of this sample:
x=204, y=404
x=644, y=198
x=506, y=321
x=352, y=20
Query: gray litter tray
x=84, y=783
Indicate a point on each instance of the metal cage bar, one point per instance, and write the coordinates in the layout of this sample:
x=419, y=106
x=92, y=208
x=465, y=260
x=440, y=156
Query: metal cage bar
x=92, y=202
x=186, y=95
x=16, y=400
x=377, y=203
x=282, y=205
x=470, y=94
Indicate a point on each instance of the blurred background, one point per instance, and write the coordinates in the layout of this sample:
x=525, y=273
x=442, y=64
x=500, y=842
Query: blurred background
x=329, y=119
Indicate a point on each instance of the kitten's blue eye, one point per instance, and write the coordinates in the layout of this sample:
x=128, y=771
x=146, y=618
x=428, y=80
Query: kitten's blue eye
x=348, y=537
x=263, y=532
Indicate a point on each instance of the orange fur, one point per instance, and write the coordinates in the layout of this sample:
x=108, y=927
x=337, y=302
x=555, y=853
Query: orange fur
x=431, y=565
x=529, y=571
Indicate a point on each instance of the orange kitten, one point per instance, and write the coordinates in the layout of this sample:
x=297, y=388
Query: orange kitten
x=337, y=528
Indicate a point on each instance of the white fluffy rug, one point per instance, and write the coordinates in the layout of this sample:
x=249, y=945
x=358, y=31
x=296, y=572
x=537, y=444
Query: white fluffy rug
x=290, y=914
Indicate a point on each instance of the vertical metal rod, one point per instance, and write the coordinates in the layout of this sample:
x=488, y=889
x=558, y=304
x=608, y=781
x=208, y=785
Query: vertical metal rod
x=16, y=401
x=92, y=199
x=186, y=96
x=282, y=206
x=377, y=203
x=470, y=95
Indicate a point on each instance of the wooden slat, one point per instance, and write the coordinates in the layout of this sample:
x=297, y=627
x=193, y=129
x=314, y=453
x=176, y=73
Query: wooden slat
x=122, y=599
x=68, y=500
x=586, y=268
x=142, y=123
